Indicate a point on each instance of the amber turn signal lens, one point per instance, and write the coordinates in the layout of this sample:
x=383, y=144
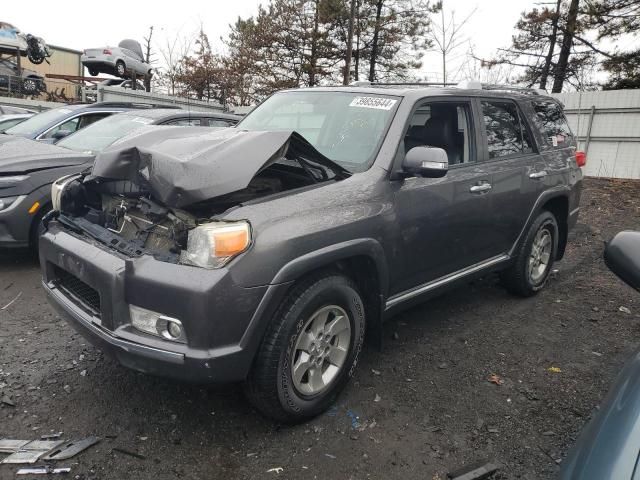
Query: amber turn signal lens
x=227, y=244
x=34, y=208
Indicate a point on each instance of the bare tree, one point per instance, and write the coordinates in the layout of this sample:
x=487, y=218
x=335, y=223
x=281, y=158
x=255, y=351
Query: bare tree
x=448, y=36
x=173, y=51
x=148, y=57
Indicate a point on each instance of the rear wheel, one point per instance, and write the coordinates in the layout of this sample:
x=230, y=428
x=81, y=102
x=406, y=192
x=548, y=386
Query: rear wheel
x=30, y=86
x=93, y=72
x=535, y=257
x=121, y=70
x=309, y=351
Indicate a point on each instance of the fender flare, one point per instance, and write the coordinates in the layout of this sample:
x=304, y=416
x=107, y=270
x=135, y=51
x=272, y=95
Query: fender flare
x=560, y=191
x=367, y=247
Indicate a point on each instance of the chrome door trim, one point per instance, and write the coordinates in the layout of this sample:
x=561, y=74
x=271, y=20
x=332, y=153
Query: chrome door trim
x=439, y=282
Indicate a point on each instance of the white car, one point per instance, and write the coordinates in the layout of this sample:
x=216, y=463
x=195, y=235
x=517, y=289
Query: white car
x=11, y=39
x=119, y=61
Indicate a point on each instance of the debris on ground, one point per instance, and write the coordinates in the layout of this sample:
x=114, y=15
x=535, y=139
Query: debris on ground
x=12, y=301
x=330, y=456
x=493, y=378
x=474, y=472
x=624, y=309
x=71, y=449
x=43, y=470
x=378, y=398
x=25, y=451
x=375, y=372
x=554, y=369
x=124, y=451
x=51, y=436
x=277, y=470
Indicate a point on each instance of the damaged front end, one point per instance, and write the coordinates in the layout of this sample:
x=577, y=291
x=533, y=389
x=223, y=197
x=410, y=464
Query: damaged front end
x=166, y=196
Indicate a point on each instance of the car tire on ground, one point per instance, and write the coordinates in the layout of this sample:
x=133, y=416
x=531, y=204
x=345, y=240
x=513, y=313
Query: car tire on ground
x=309, y=351
x=121, y=70
x=534, y=257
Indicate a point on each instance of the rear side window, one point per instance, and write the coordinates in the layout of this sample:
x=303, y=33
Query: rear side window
x=506, y=132
x=553, y=124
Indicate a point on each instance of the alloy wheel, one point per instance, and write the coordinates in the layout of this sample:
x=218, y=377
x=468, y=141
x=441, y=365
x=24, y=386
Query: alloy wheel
x=321, y=350
x=540, y=256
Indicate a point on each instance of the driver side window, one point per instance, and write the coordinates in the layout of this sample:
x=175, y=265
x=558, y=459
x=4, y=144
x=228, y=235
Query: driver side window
x=445, y=125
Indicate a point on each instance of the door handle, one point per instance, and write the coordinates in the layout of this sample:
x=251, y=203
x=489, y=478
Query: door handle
x=483, y=187
x=540, y=174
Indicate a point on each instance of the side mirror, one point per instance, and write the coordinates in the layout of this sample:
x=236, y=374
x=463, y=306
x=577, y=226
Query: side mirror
x=426, y=161
x=60, y=134
x=622, y=256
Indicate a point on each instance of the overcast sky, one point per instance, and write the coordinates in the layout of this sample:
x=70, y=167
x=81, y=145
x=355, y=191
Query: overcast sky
x=82, y=25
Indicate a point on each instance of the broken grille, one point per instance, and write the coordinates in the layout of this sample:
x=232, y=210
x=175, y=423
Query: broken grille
x=79, y=292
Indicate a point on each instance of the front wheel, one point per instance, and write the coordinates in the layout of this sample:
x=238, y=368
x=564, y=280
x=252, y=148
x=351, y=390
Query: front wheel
x=310, y=350
x=534, y=258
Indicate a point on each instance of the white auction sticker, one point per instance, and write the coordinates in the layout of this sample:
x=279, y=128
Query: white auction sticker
x=373, y=102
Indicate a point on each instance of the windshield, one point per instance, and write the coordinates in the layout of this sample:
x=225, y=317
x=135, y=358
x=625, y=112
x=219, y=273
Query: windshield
x=99, y=135
x=345, y=127
x=40, y=121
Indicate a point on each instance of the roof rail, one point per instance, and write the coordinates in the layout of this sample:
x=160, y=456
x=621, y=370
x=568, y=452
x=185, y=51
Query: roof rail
x=514, y=88
x=132, y=105
x=413, y=84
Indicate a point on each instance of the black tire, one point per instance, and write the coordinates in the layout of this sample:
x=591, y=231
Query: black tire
x=93, y=72
x=518, y=278
x=121, y=69
x=270, y=385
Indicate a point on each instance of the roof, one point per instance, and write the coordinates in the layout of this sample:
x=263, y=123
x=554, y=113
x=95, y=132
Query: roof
x=64, y=49
x=415, y=92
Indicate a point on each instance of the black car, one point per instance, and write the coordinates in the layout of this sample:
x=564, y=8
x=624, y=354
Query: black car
x=28, y=168
x=263, y=253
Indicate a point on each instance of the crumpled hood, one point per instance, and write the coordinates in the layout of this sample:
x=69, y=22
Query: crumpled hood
x=183, y=166
x=21, y=155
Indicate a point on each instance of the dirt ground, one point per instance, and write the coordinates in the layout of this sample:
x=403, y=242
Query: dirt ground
x=421, y=408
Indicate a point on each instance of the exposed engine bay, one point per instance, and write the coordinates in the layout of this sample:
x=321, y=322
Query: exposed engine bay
x=127, y=215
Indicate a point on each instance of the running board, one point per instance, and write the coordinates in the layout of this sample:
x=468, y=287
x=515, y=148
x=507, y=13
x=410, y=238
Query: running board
x=442, y=281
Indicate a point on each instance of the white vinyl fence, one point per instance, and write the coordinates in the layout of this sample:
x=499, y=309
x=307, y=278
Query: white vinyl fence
x=607, y=124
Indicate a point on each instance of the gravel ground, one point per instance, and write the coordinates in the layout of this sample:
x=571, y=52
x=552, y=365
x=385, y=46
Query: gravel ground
x=421, y=408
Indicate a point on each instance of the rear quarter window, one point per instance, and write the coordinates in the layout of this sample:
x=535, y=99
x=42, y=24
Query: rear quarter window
x=552, y=123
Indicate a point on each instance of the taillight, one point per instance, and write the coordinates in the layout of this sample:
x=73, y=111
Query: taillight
x=581, y=159
x=106, y=51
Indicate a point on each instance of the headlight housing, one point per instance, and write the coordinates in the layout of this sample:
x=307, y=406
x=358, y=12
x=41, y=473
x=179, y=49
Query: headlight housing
x=7, y=203
x=212, y=245
x=57, y=189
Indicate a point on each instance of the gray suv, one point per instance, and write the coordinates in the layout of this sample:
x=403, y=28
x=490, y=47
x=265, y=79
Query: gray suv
x=264, y=253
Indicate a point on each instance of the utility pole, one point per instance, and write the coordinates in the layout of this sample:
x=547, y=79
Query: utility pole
x=444, y=50
x=347, y=66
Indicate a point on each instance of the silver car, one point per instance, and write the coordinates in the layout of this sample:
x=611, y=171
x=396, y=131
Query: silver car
x=118, y=61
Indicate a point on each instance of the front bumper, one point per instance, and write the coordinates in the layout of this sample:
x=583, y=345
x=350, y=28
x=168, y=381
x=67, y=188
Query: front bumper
x=224, y=322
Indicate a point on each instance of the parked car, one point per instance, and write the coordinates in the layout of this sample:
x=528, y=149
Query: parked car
x=9, y=120
x=116, y=61
x=10, y=109
x=28, y=168
x=53, y=125
x=13, y=40
x=91, y=93
x=607, y=448
x=29, y=82
x=263, y=253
